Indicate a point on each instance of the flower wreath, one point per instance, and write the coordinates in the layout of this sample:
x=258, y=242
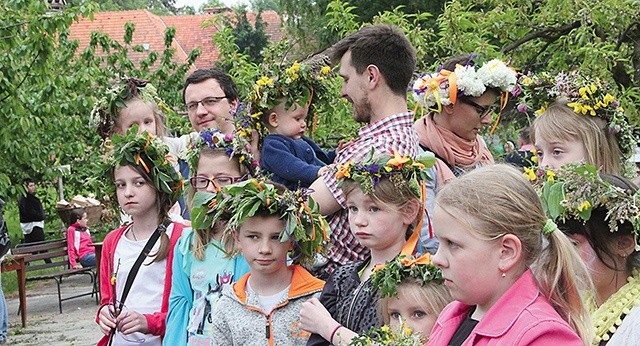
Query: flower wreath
x=399, y=169
x=149, y=152
x=387, y=277
x=399, y=335
x=106, y=109
x=233, y=144
x=304, y=226
x=245, y=121
x=299, y=84
x=577, y=189
x=434, y=90
x=587, y=96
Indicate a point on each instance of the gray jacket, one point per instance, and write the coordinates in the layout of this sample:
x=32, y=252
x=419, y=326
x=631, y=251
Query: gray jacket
x=239, y=320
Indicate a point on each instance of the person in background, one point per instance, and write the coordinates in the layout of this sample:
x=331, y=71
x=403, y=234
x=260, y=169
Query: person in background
x=80, y=253
x=524, y=156
x=31, y=214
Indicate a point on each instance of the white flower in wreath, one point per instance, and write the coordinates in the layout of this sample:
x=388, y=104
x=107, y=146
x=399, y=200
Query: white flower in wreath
x=497, y=74
x=468, y=82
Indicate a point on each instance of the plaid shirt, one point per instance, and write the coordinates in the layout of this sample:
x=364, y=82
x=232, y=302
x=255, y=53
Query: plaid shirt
x=392, y=133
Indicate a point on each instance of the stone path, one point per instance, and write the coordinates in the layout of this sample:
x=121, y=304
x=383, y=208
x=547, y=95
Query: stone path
x=45, y=325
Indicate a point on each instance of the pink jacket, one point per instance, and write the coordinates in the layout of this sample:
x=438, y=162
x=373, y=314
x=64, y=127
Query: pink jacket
x=522, y=316
x=156, y=321
x=84, y=248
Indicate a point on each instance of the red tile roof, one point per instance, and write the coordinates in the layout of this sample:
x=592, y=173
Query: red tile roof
x=149, y=29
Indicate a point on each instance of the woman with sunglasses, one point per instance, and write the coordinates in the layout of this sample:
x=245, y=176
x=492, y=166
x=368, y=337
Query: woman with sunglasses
x=461, y=99
x=204, y=260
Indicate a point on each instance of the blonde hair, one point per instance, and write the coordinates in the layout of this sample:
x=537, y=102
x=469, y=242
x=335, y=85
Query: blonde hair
x=498, y=200
x=560, y=122
x=433, y=297
x=202, y=237
x=161, y=127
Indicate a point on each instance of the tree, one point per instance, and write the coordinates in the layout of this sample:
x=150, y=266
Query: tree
x=47, y=92
x=250, y=40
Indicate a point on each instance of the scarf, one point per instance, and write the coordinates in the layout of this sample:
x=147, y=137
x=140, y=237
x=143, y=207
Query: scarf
x=451, y=149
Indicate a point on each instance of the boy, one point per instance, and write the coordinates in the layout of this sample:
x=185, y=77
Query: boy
x=284, y=101
x=265, y=303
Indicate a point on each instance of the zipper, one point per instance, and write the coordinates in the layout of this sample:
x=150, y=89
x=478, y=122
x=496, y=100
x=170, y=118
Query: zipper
x=353, y=301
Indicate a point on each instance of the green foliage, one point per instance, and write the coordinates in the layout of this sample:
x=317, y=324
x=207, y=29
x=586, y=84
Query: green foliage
x=47, y=93
x=250, y=40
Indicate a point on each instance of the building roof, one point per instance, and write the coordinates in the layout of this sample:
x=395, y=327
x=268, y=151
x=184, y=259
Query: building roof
x=149, y=32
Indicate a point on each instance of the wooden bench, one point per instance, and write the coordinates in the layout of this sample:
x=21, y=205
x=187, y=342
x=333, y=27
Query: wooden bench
x=55, y=251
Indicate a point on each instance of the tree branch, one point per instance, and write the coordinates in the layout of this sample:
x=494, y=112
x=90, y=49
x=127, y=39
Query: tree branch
x=23, y=79
x=549, y=34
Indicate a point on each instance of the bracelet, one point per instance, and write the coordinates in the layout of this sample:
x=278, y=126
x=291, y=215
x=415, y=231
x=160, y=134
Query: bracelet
x=333, y=333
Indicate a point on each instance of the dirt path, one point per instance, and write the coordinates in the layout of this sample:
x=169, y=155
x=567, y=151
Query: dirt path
x=45, y=324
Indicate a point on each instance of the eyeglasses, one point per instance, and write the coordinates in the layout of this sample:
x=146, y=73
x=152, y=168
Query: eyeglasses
x=207, y=102
x=483, y=111
x=201, y=182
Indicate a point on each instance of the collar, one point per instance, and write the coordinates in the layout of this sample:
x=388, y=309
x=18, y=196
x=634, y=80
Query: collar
x=302, y=283
x=504, y=313
x=395, y=120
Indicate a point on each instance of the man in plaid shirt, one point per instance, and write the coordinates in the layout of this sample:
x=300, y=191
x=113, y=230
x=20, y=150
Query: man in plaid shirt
x=376, y=64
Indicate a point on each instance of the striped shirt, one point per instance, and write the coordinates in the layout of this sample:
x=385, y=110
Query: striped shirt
x=391, y=133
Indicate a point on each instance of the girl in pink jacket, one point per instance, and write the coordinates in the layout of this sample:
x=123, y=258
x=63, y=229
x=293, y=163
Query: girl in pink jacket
x=512, y=274
x=80, y=253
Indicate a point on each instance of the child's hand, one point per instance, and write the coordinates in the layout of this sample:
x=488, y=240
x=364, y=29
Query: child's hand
x=106, y=321
x=131, y=322
x=77, y=266
x=322, y=170
x=315, y=318
x=341, y=145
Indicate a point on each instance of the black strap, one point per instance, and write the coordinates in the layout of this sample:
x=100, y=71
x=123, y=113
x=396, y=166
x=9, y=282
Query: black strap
x=134, y=270
x=141, y=257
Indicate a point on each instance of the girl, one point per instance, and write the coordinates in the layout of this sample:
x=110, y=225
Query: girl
x=413, y=293
x=384, y=202
x=78, y=240
x=602, y=218
x=135, y=297
x=461, y=98
x=135, y=103
x=272, y=227
x=509, y=288
x=201, y=267
x=583, y=122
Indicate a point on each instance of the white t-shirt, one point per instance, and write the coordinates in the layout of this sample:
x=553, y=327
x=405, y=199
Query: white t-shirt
x=629, y=332
x=145, y=295
x=267, y=303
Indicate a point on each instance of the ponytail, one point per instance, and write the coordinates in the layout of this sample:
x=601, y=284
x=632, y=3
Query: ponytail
x=501, y=201
x=561, y=276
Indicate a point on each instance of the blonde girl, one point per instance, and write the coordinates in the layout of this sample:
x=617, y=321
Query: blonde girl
x=135, y=298
x=513, y=275
x=204, y=262
x=384, y=203
x=578, y=120
x=133, y=102
x=601, y=215
x=413, y=293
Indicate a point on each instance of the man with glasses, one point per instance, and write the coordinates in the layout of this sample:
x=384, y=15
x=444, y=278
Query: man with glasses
x=210, y=95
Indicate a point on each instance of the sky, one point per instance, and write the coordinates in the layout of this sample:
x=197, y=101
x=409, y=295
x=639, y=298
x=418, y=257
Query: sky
x=196, y=3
